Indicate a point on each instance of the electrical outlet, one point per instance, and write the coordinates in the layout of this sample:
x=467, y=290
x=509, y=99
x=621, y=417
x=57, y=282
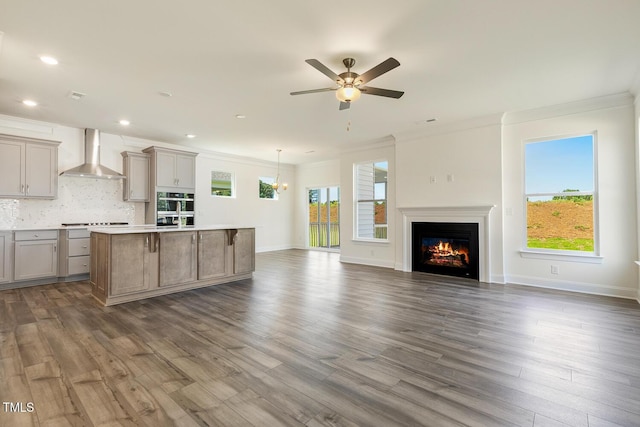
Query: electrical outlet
x=555, y=269
x=432, y=179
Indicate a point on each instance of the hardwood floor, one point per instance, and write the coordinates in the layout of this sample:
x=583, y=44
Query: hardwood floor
x=311, y=341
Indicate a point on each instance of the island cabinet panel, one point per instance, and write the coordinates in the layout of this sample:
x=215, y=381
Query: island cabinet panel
x=244, y=251
x=178, y=258
x=99, y=266
x=212, y=254
x=130, y=263
x=129, y=266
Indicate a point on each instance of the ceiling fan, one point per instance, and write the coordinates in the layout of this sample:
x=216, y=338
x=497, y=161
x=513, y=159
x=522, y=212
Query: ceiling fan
x=350, y=84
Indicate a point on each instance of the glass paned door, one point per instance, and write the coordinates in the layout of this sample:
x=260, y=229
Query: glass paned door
x=324, y=217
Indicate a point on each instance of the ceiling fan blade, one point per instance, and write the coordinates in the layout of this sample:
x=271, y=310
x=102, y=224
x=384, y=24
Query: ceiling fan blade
x=324, y=70
x=378, y=70
x=302, y=92
x=381, y=92
x=344, y=105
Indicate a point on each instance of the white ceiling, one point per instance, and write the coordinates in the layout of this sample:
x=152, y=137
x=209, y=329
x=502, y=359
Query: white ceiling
x=460, y=59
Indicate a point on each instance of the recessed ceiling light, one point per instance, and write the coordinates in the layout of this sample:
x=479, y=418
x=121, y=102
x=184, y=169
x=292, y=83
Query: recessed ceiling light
x=29, y=103
x=49, y=60
x=190, y=135
x=124, y=122
x=240, y=116
x=165, y=94
x=434, y=119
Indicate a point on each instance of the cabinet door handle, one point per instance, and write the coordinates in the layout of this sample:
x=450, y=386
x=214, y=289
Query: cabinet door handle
x=27, y=188
x=35, y=235
x=146, y=241
x=22, y=189
x=55, y=248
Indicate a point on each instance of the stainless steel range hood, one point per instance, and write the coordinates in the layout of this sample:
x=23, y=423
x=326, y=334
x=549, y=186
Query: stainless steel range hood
x=91, y=168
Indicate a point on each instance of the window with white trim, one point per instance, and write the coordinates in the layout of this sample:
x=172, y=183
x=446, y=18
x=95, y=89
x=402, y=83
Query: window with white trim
x=222, y=184
x=560, y=194
x=371, y=200
x=265, y=188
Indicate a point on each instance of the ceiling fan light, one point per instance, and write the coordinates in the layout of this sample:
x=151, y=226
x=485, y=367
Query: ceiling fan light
x=348, y=93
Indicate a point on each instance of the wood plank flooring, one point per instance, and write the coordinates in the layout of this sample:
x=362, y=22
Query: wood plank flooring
x=310, y=341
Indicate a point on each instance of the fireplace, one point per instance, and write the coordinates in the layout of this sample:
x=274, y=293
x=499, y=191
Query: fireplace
x=479, y=215
x=449, y=248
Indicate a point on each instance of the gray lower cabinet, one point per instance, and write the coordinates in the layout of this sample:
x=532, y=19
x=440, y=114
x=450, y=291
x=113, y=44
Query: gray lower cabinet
x=35, y=254
x=74, y=253
x=212, y=254
x=178, y=258
x=5, y=257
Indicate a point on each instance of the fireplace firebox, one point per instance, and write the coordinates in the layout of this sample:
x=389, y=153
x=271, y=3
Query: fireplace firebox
x=448, y=248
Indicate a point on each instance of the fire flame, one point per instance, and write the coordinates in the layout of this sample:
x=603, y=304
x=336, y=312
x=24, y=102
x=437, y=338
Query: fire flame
x=444, y=249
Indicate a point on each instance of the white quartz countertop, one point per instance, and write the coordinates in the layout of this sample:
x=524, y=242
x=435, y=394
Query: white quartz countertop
x=131, y=229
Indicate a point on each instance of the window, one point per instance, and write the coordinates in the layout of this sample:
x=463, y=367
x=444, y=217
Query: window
x=560, y=194
x=222, y=184
x=265, y=188
x=371, y=200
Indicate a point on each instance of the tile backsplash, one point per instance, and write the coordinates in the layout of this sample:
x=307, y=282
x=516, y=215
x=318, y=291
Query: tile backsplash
x=79, y=200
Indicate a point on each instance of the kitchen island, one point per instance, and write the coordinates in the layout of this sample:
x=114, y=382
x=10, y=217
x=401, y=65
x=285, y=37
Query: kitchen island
x=136, y=262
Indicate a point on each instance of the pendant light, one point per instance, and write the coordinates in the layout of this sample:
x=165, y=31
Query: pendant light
x=277, y=186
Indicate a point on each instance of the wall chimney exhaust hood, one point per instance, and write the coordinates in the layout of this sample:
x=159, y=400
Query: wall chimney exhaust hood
x=91, y=168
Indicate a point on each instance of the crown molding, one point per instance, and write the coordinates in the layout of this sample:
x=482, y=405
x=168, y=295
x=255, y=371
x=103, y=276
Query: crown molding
x=576, y=107
x=385, y=141
x=437, y=128
x=10, y=124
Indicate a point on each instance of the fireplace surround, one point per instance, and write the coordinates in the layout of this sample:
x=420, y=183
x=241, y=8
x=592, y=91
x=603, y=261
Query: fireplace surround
x=480, y=215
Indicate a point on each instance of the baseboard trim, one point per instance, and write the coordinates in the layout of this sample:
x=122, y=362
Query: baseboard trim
x=367, y=261
x=579, y=287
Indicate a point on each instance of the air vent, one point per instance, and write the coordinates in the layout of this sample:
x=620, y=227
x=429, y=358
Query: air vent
x=76, y=96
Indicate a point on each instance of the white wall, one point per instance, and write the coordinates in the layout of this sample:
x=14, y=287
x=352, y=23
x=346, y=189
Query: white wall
x=465, y=162
x=613, y=120
x=365, y=252
x=308, y=176
x=272, y=219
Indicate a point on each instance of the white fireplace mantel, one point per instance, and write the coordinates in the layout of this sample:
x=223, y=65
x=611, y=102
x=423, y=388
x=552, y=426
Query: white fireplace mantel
x=462, y=214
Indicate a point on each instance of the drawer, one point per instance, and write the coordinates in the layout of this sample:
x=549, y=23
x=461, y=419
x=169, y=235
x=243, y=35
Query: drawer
x=79, y=233
x=36, y=235
x=78, y=247
x=79, y=265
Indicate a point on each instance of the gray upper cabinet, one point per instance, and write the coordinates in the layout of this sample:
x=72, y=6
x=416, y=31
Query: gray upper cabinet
x=172, y=169
x=136, y=168
x=28, y=167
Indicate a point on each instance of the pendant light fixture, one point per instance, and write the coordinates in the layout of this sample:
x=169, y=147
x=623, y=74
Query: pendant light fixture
x=277, y=186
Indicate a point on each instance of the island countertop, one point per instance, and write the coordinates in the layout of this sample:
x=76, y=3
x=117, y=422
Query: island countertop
x=150, y=228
